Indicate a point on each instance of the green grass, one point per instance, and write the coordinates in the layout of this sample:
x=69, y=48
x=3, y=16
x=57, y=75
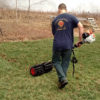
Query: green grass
x=17, y=84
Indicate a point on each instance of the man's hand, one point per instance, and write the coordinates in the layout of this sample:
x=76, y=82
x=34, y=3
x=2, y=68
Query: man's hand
x=78, y=44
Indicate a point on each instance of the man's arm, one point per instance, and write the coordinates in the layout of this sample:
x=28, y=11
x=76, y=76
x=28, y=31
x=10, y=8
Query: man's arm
x=53, y=28
x=81, y=30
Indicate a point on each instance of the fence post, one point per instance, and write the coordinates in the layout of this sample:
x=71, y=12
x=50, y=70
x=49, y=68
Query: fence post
x=29, y=6
x=29, y=10
x=16, y=13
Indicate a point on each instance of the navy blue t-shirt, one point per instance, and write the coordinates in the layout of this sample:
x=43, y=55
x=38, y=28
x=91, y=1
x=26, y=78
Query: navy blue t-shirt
x=62, y=29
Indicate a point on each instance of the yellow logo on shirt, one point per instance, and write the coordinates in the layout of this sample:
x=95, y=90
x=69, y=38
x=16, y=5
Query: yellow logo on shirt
x=61, y=23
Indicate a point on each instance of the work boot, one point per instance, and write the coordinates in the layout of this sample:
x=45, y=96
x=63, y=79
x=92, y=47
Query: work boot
x=62, y=84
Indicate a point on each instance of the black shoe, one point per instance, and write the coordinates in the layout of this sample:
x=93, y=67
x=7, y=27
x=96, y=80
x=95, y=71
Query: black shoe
x=63, y=84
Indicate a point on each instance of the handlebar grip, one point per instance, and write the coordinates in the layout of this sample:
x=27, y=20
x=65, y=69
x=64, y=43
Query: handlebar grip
x=76, y=46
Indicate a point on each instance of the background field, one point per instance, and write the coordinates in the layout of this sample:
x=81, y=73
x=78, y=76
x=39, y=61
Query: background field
x=32, y=25
x=17, y=84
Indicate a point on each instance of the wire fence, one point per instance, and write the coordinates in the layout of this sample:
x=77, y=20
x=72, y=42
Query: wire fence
x=18, y=10
x=21, y=9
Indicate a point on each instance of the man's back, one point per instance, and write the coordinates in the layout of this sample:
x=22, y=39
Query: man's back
x=62, y=29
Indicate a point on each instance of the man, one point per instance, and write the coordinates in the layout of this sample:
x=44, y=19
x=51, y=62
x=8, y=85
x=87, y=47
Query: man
x=62, y=29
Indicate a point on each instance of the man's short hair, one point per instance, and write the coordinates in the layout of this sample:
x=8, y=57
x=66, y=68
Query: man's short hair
x=62, y=6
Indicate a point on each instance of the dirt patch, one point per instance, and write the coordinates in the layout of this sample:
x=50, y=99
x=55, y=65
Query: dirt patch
x=98, y=81
x=13, y=31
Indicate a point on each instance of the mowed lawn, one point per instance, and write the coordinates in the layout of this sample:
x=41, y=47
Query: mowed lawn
x=16, y=83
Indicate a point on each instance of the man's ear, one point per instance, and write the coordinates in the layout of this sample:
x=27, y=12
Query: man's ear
x=59, y=10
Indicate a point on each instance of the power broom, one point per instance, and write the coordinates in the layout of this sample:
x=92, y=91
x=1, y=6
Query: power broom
x=46, y=67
